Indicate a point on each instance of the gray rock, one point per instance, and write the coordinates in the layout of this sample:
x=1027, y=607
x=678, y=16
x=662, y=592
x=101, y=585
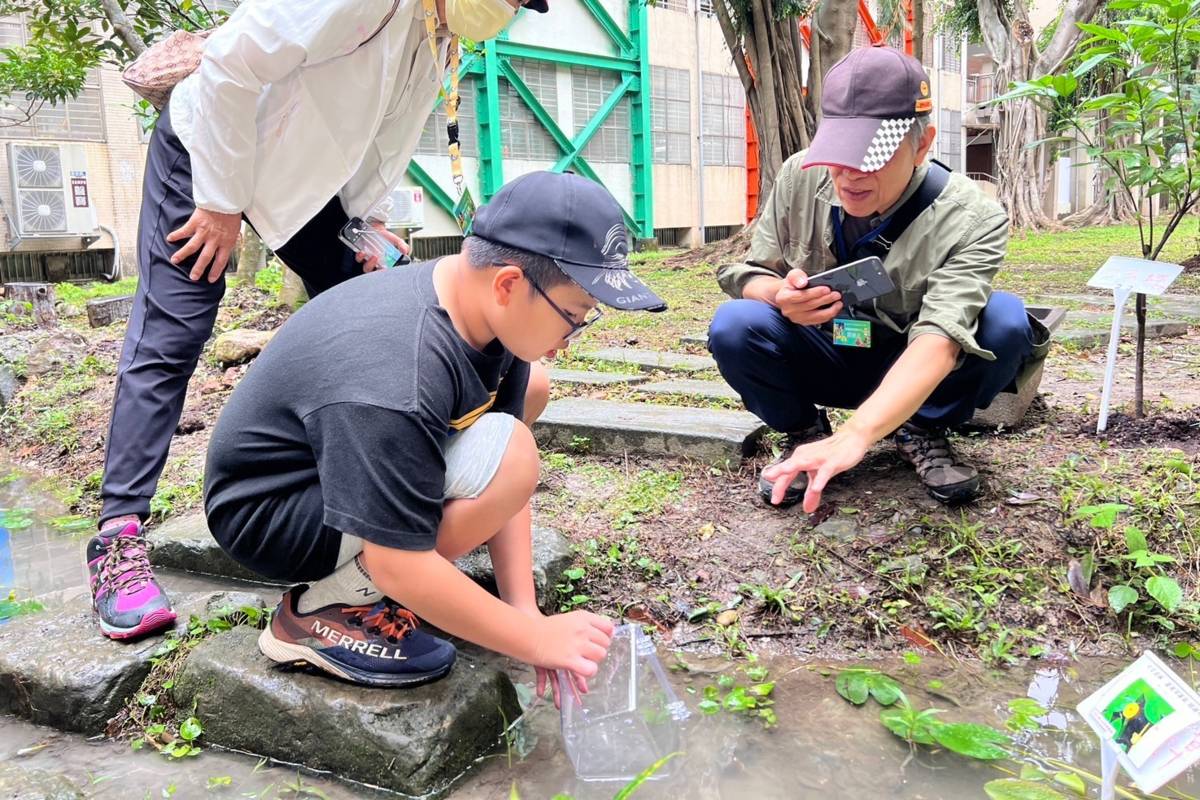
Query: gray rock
x=700, y=339
x=709, y=390
x=582, y=376
x=551, y=558
x=107, y=310
x=185, y=544
x=241, y=345
x=57, y=669
x=18, y=783
x=911, y=568
x=650, y=360
x=8, y=385
x=16, y=346
x=59, y=350
x=416, y=741
x=614, y=428
x=839, y=529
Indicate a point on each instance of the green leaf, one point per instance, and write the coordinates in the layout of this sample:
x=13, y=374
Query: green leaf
x=1010, y=789
x=1031, y=773
x=852, y=685
x=909, y=726
x=1071, y=781
x=884, y=689
x=1121, y=596
x=763, y=689
x=191, y=729
x=1135, y=540
x=643, y=776
x=1103, y=515
x=1166, y=591
x=225, y=780
x=708, y=706
x=973, y=741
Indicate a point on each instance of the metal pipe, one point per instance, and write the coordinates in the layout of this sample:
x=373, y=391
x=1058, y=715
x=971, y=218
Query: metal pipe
x=116, y=268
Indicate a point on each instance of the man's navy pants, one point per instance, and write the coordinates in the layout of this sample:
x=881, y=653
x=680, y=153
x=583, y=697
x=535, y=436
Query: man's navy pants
x=783, y=371
x=173, y=317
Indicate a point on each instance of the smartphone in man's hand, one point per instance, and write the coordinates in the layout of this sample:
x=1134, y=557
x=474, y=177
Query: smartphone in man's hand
x=858, y=282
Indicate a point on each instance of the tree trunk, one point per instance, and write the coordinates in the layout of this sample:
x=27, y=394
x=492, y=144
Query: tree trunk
x=122, y=26
x=292, y=294
x=919, y=31
x=252, y=256
x=34, y=299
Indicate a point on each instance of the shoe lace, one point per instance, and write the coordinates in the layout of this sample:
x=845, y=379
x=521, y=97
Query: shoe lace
x=932, y=450
x=127, y=564
x=387, y=619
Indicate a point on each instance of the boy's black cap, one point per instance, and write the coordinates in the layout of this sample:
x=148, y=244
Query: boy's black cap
x=577, y=223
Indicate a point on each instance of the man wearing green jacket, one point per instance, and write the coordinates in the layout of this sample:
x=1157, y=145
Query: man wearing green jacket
x=915, y=361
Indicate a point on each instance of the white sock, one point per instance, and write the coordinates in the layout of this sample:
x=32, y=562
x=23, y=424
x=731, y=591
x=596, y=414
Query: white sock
x=349, y=585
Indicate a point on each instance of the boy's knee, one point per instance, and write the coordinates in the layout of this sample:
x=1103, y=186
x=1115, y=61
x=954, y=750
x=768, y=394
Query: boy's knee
x=521, y=463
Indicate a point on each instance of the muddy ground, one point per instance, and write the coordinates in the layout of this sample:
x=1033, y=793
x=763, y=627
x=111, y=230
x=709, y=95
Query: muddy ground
x=1023, y=572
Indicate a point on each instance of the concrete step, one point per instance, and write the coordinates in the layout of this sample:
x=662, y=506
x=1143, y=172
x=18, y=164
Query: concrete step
x=185, y=544
x=1094, y=337
x=417, y=741
x=709, y=390
x=613, y=428
x=650, y=360
x=589, y=378
x=1175, y=305
x=700, y=339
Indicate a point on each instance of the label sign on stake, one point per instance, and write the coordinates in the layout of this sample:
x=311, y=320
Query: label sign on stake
x=1148, y=721
x=1125, y=277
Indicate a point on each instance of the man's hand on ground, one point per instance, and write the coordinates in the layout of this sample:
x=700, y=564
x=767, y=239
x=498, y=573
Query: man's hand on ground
x=821, y=460
x=372, y=262
x=805, y=306
x=211, y=234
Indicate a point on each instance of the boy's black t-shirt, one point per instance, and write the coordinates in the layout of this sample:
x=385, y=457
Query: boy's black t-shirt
x=360, y=391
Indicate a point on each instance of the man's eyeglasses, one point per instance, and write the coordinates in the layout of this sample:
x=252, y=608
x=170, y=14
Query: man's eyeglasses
x=577, y=328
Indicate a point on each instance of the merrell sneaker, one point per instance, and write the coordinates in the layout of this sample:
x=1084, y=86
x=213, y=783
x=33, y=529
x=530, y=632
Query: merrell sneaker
x=945, y=477
x=376, y=645
x=795, y=492
x=125, y=595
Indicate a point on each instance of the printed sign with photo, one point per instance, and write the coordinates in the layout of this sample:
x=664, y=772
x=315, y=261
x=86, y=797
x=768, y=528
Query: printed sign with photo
x=1150, y=718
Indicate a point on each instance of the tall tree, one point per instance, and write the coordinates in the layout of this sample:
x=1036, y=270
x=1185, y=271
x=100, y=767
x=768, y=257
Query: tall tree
x=1023, y=167
x=763, y=36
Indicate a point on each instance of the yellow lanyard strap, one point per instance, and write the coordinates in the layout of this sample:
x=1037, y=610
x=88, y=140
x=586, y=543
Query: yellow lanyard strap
x=431, y=26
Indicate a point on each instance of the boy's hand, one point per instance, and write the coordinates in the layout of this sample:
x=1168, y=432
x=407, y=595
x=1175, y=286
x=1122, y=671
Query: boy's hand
x=576, y=642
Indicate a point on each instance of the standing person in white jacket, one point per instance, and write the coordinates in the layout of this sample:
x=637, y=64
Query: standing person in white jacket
x=302, y=114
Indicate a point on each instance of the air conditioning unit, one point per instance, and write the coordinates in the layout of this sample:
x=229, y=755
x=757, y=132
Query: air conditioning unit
x=408, y=207
x=50, y=191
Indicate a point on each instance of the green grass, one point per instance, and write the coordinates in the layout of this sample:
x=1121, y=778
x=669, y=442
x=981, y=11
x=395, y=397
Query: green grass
x=77, y=294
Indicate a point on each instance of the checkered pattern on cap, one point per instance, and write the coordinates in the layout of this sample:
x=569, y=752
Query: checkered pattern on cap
x=887, y=139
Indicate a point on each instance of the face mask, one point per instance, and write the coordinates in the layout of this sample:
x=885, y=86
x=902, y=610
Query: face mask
x=478, y=20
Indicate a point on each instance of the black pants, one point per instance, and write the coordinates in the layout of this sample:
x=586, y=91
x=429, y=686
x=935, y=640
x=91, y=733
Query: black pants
x=173, y=317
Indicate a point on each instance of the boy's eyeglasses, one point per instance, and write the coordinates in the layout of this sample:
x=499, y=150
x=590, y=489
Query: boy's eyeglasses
x=577, y=328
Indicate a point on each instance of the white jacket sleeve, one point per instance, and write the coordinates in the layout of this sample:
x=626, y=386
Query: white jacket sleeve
x=261, y=43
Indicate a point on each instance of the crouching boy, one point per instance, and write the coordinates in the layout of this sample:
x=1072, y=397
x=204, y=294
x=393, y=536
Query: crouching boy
x=384, y=433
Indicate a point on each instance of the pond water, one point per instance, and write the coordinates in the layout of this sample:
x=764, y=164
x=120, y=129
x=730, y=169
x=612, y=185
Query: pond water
x=821, y=747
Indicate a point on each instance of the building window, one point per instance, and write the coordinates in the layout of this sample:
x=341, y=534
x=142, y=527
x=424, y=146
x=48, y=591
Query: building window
x=672, y=5
x=80, y=118
x=949, y=137
x=671, y=115
x=589, y=89
x=433, y=135
x=951, y=54
x=723, y=121
x=524, y=137
x=706, y=7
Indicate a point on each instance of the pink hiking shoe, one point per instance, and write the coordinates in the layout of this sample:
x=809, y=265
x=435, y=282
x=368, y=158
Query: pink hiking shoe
x=125, y=595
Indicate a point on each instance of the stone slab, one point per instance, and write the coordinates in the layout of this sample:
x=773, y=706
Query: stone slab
x=416, y=741
x=650, y=360
x=1009, y=408
x=613, y=428
x=709, y=390
x=19, y=783
x=57, y=669
x=588, y=378
x=1091, y=338
x=697, y=339
x=185, y=544
x=1172, y=304
x=107, y=310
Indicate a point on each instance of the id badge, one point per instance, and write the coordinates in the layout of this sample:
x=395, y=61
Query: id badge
x=851, y=332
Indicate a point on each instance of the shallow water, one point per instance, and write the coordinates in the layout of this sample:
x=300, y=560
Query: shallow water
x=822, y=747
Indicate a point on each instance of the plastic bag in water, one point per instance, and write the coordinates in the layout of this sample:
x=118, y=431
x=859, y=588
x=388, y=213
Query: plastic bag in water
x=630, y=717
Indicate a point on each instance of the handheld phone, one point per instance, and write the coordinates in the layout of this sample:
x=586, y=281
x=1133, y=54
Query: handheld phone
x=360, y=237
x=858, y=282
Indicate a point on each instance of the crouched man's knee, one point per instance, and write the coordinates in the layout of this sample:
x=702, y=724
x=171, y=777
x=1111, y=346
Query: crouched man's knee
x=735, y=325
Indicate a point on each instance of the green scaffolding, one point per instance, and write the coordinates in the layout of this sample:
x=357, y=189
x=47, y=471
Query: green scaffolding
x=630, y=61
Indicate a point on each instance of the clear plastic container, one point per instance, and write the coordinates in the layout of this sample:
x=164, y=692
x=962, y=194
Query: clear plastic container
x=630, y=717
